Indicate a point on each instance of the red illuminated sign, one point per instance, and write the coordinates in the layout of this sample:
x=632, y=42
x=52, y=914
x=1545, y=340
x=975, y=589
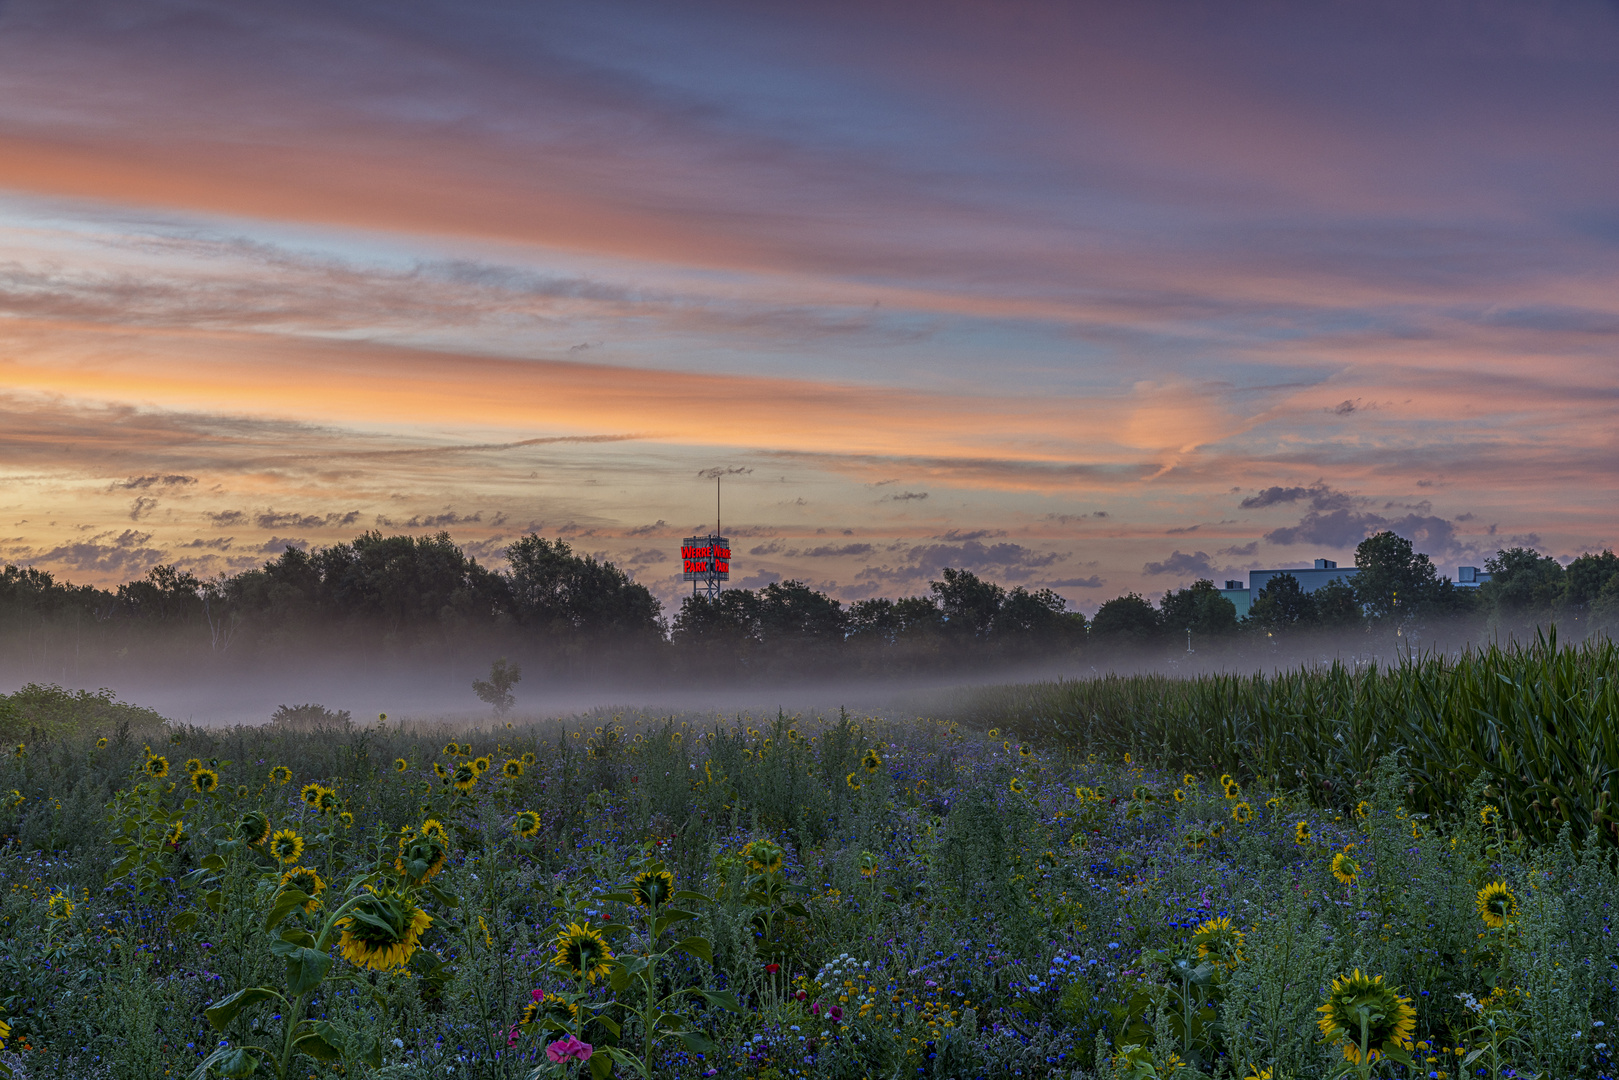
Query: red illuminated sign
x=705, y=557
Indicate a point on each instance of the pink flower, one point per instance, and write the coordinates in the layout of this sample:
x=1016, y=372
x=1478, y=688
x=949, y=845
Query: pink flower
x=815, y=1009
x=537, y=995
x=836, y=1013
x=569, y=1048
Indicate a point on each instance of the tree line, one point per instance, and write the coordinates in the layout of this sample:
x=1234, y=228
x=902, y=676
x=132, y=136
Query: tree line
x=565, y=613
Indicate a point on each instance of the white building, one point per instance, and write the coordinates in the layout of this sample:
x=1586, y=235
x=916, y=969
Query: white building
x=1309, y=578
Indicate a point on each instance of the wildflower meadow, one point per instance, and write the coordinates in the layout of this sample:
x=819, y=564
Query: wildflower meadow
x=818, y=896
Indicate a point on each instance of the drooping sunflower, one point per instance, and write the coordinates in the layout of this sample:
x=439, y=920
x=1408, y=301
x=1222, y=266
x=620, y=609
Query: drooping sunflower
x=1242, y=813
x=305, y=880
x=1389, y=1018
x=1496, y=905
x=583, y=951
x=1345, y=869
x=176, y=833
x=281, y=774
x=852, y=782
x=481, y=763
x=1225, y=779
x=421, y=855
x=311, y=794
x=400, y=764
x=1217, y=831
x=253, y=828
x=241, y=791
x=205, y=781
x=192, y=765
x=60, y=906
x=465, y=777
x=652, y=887
x=871, y=761
x=328, y=803
x=156, y=766
x=1196, y=840
x=347, y=819
x=286, y=846
x=1128, y=760
x=529, y=759
x=764, y=856
x=1218, y=939
x=869, y=864
x=526, y=824
x=382, y=930
x=1301, y=833
x=512, y=770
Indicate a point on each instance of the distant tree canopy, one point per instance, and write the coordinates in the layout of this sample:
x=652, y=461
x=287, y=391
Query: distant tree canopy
x=425, y=598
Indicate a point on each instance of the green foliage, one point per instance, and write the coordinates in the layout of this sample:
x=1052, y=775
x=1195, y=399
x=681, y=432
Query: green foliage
x=50, y=712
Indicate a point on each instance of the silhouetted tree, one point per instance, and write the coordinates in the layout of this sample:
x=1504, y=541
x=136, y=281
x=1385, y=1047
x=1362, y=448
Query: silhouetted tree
x=496, y=691
x=1126, y=620
x=969, y=605
x=1200, y=609
x=1282, y=604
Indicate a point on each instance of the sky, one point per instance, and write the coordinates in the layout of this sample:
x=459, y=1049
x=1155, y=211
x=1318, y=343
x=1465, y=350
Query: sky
x=1094, y=297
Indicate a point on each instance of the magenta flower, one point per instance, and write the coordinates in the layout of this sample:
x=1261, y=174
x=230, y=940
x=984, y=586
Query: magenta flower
x=569, y=1048
x=836, y=1013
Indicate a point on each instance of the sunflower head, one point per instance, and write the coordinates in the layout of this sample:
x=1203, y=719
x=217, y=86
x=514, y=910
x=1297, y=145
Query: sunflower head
x=452, y=749
x=481, y=764
x=1180, y=795
x=382, y=930
x=528, y=758
x=512, y=770
x=436, y=828
x=347, y=819
x=205, y=781
x=176, y=833
x=60, y=906
x=868, y=864
x=1357, y=1000
x=311, y=794
x=1196, y=840
x=465, y=777
x=871, y=761
x=1218, y=940
x=1363, y=809
x=281, y=774
x=1015, y=786
x=1301, y=833
x=1024, y=751
x=421, y=854
x=1233, y=790
x=1273, y=803
x=854, y=785
x=286, y=846
x=400, y=764
x=440, y=771
x=652, y=887
x=253, y=828
x=583, y=951
x=1345, y=869
x=241, y=791
x=1217, y=831
x=1489, y=815
x=192, y=765
x=328, y=802
x=526, y=824
x=764, y=856
x=157, y=766
x=1242, y=813
x=304, y=879
x=101, y=743
x=1496, y=905
x=1189, y=780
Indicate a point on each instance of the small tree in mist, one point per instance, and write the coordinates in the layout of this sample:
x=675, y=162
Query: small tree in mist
x=497, y=689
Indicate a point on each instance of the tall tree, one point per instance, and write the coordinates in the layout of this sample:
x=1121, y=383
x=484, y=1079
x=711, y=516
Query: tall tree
x=969, y=604
x=1523, y=583
x=1126, y=620
x=1282, y=604
x=1200, y=609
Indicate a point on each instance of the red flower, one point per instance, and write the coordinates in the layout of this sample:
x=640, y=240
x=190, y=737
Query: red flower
x=772, y=968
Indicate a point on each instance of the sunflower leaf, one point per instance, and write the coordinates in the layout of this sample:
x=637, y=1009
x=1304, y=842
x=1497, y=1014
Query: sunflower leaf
x=285, y=904
x=319, y=1040
x=698, y=947
x=221, y=1013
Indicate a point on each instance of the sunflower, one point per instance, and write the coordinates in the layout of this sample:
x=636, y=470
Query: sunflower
x=440, y=771
x=481, y=764
x=101, y=743
x=421, y=854
x=1128, y=759
x=583, y=951
x=1489, y=815
x=1219, y=940
x=176, y=833
x=286, y=846
x=1180, y=795
x=1273, y=803
x=528, y=756
x=868, y=864
x=1242, y=813
x=1189, y=780
x=512, y=770
x=253, y=828
x=304, y=879
x=281, y=774
x=434, y=827
x=347, y=819
x=192, y=765
x=1345, y=869
x=1496, y=905
x=1363, y=809
x=652, y=888
x=763, y=855
x=157, y=766
x=1217, y=831
x=60, y=906
x=1389, y=1018
x=452, y=749
x=328, y=801
x=1024, y=751
x=311, y=794
x=1016, y=786
x=241, y=791
x=205, y=781
x=1225, y=779
x=382, y=930
x=400, y=764
x=870, y=761
x=1233, y=790
x=526, y=824
x=1196, y=840
x=852, y=782
x=465, y=777
x=1301, y=833
x=17, y=798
